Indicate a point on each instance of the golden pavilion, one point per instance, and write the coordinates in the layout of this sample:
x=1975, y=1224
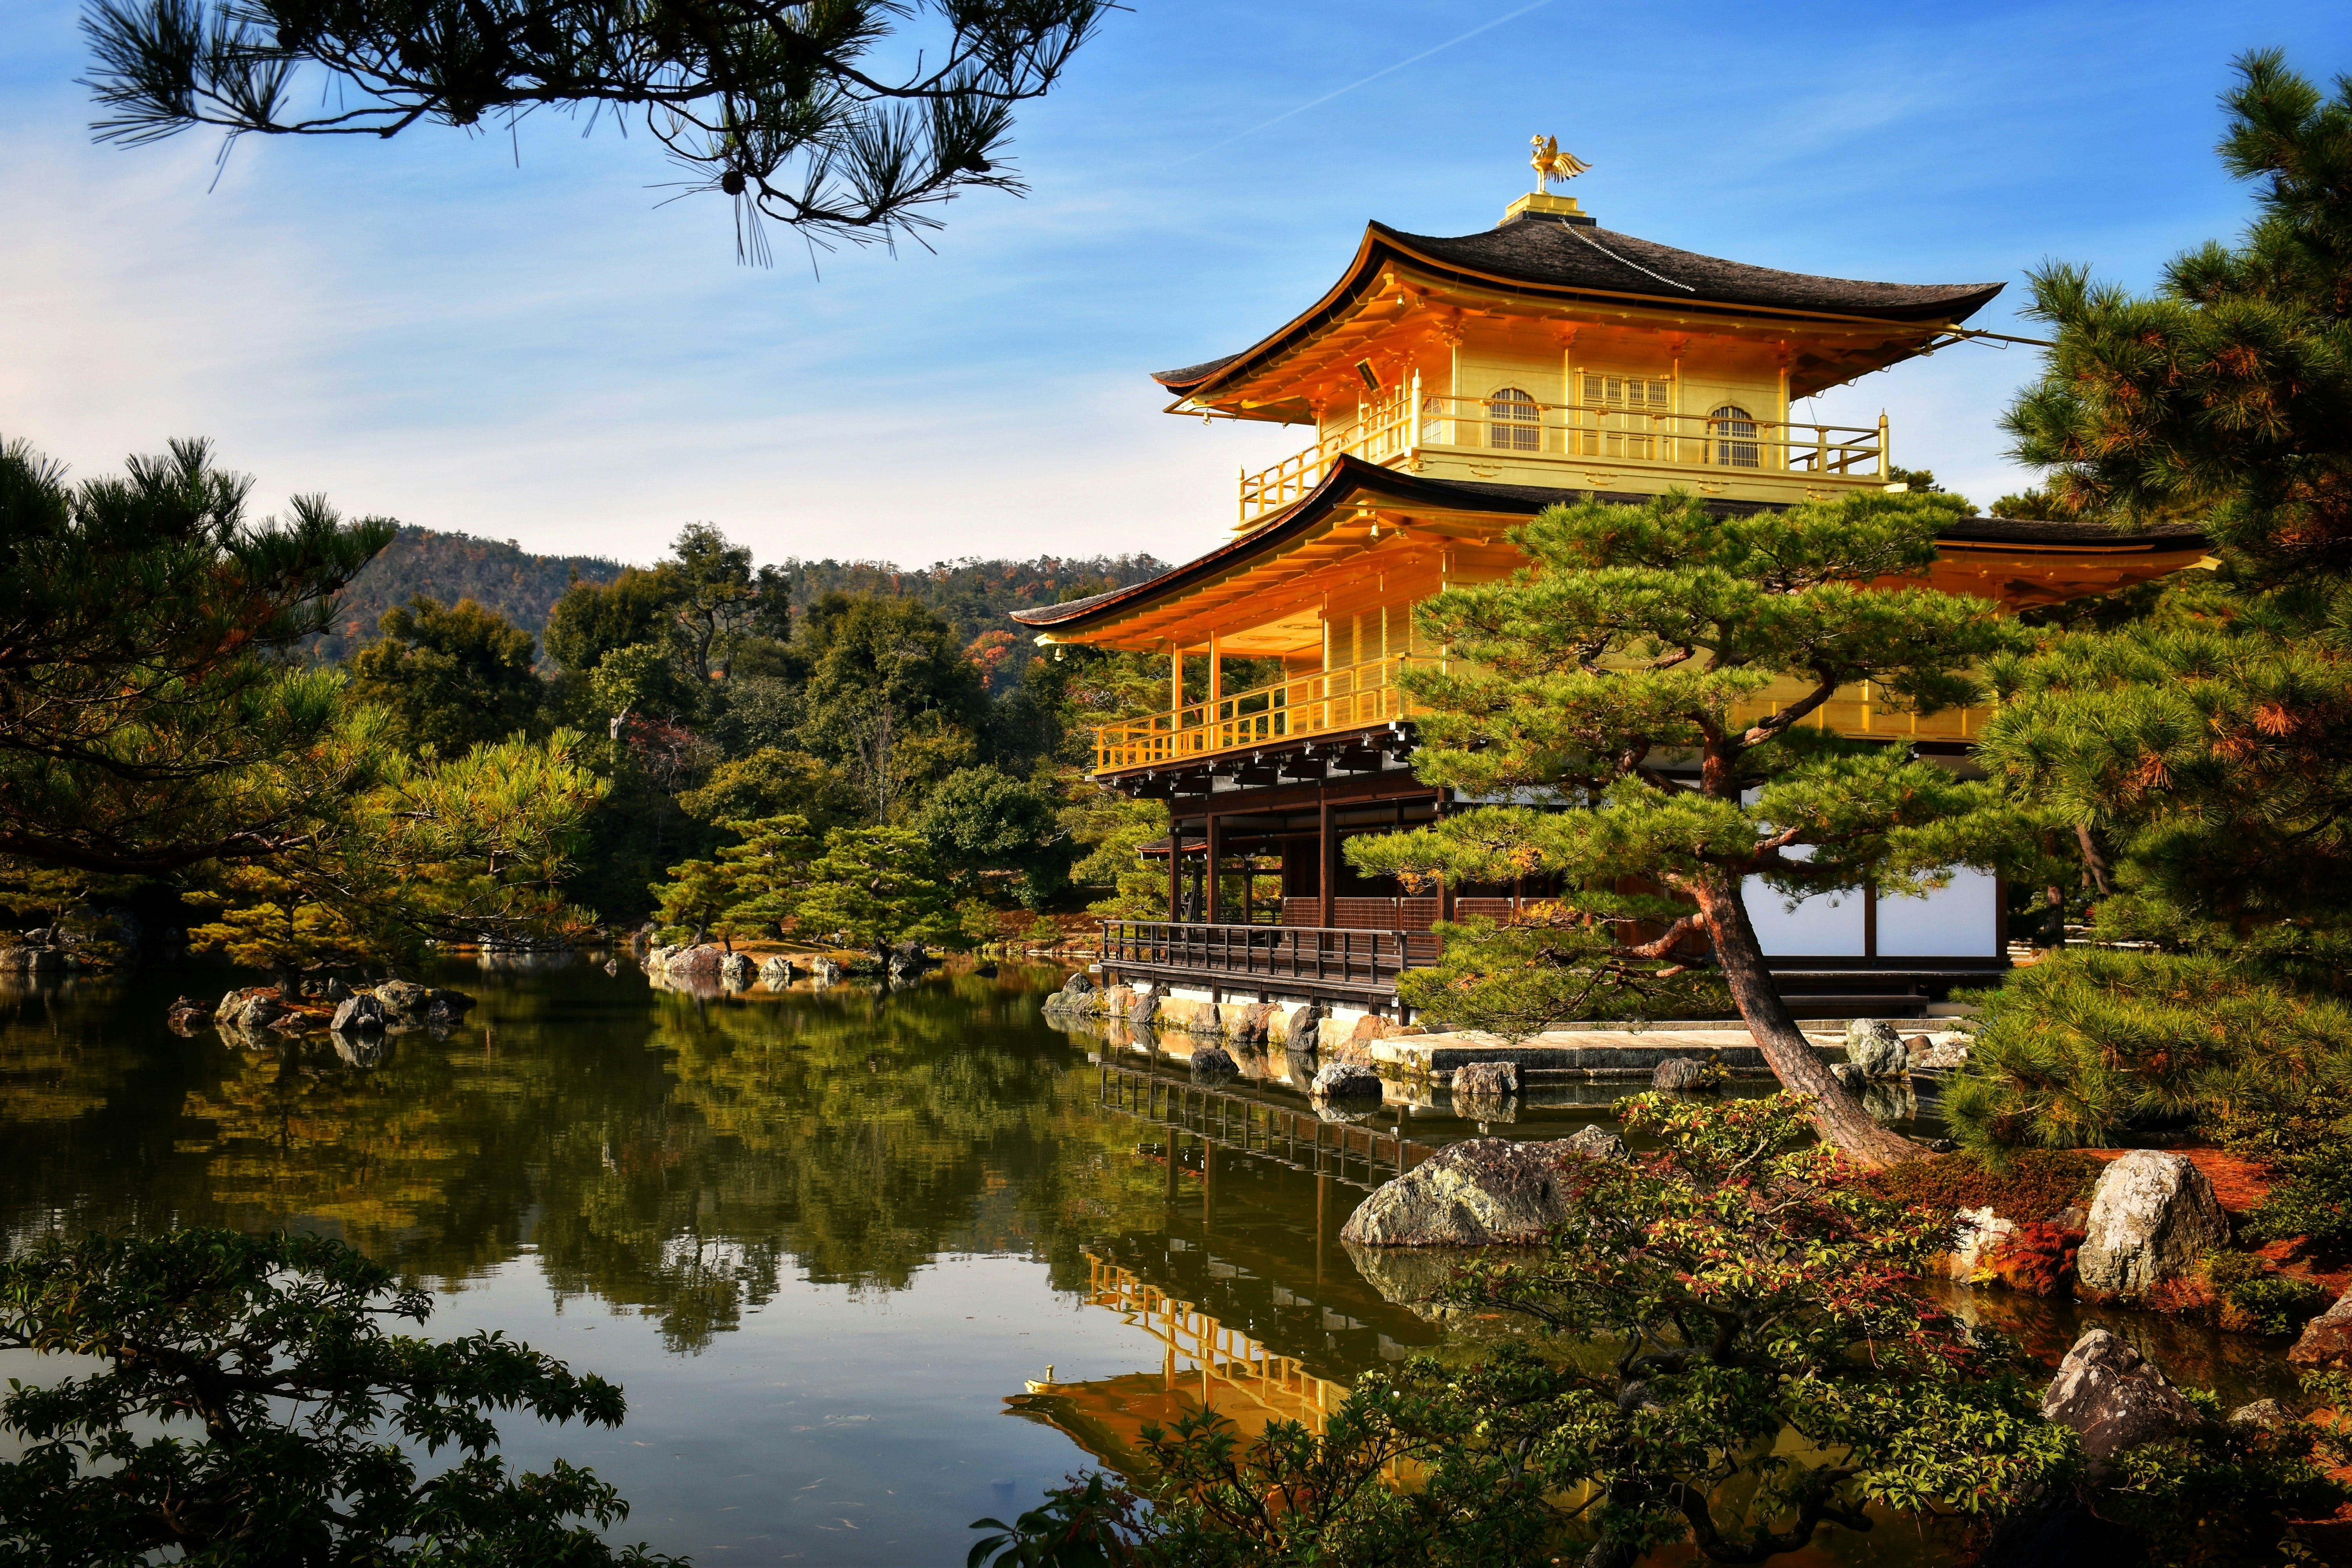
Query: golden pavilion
x=1455, y=387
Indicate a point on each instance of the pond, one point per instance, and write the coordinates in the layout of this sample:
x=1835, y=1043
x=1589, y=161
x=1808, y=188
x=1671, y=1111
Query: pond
x=859, y=1258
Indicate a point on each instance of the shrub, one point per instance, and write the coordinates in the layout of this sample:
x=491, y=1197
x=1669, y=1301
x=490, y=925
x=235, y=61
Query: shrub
x=2300, y=1128
x=2255, y=1299
x=2025, y=1184
x=2038, y=1256
x=2083, y=1048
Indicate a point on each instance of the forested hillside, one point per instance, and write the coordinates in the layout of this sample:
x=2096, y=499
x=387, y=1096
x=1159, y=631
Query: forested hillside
x=972, y=595
x=496, y=575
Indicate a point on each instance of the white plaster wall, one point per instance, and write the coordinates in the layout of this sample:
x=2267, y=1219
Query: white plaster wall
x=1959, y=919
x=1827, y=925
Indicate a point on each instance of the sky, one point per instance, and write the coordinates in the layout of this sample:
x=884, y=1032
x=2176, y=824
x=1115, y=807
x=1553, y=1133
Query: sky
x=515, y=338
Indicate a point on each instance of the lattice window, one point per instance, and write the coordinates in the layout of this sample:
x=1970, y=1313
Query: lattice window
x=1616, y=416
x=1514, y=422
x=1734, y=430
x=1624, y=392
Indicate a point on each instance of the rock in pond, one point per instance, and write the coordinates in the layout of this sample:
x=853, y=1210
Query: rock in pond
x=1595, y=1142
x=1851, y=1078
x=1679, y=1073
x=358, y=1016
x=1479, y=1192
x=735, y=969
x=249, y=1010
x=404, y=1000
x=1214, y=1061
x=2115, y=1397
x=1347, y=1080
x=1872, y=1044
x=2326, y=1339
x=1489, y=1080
x=2152, y=1215
x=703, y=960
x=777, y=970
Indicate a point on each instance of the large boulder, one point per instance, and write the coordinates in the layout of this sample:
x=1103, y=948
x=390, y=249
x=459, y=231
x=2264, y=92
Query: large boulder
x=1872, y=1044
x=1977, y=1234
x=736, y=969
x=1938, y=1052
x=824, y=971
x=2327, y=1339
x=1214, y=1061
x=2115, y=1397
x=1488, y=1080
x=1478, y=1193
x=2152, y=1216
x=777, y=970
x=1680, y=1073
x=1347, y=1080
x=248, y=1011
x=358, y=1016
x=1594, y=1142
x=689, y=961
x=908, y=960
x=404, y=1000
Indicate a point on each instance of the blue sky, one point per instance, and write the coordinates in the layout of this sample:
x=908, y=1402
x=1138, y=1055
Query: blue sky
x=516, y=341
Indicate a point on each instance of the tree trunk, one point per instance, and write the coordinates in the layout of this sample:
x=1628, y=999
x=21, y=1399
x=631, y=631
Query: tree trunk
x=1837, y=1116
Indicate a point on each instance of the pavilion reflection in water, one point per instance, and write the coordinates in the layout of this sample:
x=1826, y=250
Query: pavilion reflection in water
x=1206, y=1365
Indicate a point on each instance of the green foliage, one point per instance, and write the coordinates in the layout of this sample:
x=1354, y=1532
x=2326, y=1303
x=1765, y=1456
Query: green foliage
x=2222, y=1493
x=252, y=1405
x=2202, y=746
x=890, y=699
x=973, y=596
x=1749, y=1360
x=452, y=677
x=511, y=583
x=757, y=885
x=2082, y=1046
x=152, y=720
x=2256, y=1299
x=981, y=819
x=1551, y=963
x=773, y=783
x=2300, y=1127
x=1643, y=638
x=878, y=887
x=594, y=619
x=781, y=107
x=2025, y=1184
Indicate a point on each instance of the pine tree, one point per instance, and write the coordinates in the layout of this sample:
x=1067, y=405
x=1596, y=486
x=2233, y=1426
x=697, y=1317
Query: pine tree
x=1639, y=646
x=2206, y=750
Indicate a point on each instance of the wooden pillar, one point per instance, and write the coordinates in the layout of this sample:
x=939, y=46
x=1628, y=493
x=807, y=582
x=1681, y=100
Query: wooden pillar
x=1175, y=676
x=1212, y=905
x=1444, y=899
x=1327, y=842
x=1216, y=679
x=1175, y=865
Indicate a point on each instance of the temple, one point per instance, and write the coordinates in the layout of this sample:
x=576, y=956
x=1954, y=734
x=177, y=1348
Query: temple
x=1455, y=388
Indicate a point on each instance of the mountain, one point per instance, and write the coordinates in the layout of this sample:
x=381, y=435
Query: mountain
x=971, y=594
x=497, y=575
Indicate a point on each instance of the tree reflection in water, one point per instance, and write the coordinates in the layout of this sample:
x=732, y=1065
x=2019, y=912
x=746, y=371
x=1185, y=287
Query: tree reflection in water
x=662, y=1152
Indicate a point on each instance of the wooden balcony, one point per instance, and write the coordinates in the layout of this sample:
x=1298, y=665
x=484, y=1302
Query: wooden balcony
x=1597, y=446
x=1367, y=695
x=1336, y=960
x=1355, y=698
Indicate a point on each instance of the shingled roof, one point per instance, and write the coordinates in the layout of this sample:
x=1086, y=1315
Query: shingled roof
x=1564, y=258
x=1350, y=479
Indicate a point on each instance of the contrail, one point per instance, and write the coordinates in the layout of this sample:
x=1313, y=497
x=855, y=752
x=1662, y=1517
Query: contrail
x=1385, y=71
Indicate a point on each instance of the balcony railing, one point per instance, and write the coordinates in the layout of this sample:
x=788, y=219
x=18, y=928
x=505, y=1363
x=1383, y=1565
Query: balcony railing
x=1356, y=697
x=1328, y=955
x=1367, y=695
x=1721, y=444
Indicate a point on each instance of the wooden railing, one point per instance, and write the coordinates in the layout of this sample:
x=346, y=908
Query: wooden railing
x=1574, y=432
x=1365, y=695
x=1351, y=699
x=1626, y=432
x=1385, y=431
x=1332, y=956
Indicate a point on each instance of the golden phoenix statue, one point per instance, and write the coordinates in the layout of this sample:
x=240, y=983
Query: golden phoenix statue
x=1552, y=165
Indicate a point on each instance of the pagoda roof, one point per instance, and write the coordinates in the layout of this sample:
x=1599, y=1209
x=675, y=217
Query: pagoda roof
x=1970, y=545
x=1565, y=262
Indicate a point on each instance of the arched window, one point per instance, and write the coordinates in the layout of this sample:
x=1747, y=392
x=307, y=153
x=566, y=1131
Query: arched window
x=1514, y=422
x=1734, y=429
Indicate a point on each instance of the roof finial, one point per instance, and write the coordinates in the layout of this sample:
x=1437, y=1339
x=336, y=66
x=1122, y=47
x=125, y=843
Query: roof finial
x=1553, y=166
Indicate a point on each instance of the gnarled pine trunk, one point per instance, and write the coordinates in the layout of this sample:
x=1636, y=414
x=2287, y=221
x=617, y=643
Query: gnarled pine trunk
x=1837, y=1115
